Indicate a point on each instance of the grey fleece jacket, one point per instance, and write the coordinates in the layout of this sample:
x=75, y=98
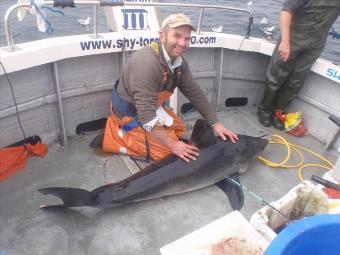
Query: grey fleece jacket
x=142, y=79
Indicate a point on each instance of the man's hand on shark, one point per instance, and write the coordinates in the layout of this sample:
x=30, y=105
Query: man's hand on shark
x=224, y=133
x=185, y=151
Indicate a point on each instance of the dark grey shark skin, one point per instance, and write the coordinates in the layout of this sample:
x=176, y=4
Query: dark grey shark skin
x=217, y=159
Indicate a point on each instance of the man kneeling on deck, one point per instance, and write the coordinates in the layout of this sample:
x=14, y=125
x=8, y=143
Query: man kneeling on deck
x=140, y=124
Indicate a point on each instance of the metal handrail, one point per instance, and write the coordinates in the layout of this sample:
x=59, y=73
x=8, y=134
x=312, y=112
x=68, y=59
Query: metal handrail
x=97, y=3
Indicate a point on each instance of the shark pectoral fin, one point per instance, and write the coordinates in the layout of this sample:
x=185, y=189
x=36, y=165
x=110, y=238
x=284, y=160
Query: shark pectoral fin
x=72, y=197
x=234, y=194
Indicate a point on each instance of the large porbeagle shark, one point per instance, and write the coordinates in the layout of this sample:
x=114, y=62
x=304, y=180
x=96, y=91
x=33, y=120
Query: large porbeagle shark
x=217, y=159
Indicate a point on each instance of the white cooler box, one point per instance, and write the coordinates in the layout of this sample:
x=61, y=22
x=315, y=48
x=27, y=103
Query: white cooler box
x=305, y=199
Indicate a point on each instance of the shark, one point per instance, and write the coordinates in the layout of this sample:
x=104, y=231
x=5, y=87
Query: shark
x=217, y=159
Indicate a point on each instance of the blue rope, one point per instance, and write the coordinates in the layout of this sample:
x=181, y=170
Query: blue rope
x=334, y=34
x=49, y=29
x=51, y=9
x=131, y=125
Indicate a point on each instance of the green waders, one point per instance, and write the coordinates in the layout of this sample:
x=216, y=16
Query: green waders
x=309, y=33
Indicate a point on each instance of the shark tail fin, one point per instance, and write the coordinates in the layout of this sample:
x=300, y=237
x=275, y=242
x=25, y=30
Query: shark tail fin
x=72, y=197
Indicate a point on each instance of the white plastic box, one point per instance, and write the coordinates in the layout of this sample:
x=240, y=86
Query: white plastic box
x=231, y=232
x=305, y=199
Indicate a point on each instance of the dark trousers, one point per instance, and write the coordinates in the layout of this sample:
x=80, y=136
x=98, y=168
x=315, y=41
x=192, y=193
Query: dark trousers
x=285, y=79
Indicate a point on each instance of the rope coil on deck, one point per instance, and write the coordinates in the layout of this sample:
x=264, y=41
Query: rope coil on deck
x=276, y=139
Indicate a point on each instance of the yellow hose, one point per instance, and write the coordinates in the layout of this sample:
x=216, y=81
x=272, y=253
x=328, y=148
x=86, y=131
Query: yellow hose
x=276, y=139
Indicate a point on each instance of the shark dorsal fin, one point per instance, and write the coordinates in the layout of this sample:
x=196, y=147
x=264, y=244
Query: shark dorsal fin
x=202, y=134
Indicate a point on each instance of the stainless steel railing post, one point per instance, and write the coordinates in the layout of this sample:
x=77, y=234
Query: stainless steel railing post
x=7, y=23
x=200, y=21
x=95, y=21
x=59, y=101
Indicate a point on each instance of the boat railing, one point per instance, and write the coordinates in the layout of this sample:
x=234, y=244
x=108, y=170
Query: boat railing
x=113, y=3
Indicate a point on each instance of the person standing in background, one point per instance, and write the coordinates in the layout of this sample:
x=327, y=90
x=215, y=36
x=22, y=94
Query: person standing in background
x=305, y=25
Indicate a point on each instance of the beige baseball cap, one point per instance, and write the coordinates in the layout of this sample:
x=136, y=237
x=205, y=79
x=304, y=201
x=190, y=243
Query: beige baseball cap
x=177, y=20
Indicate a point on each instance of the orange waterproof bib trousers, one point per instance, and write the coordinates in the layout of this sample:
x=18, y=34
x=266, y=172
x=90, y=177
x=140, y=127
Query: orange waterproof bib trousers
x=133, y=141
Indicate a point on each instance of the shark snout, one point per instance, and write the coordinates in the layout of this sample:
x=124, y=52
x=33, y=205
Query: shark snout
x=256, y=146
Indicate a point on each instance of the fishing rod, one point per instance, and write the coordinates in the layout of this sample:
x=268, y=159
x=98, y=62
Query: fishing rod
x=256, y=196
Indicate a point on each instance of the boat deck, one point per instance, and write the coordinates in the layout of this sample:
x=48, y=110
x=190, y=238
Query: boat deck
x=136, y=228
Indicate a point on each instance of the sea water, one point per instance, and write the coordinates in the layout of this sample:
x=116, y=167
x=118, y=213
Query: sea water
x=229, y=21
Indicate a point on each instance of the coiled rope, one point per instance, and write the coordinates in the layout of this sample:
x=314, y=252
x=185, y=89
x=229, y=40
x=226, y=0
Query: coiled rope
x=276, y=139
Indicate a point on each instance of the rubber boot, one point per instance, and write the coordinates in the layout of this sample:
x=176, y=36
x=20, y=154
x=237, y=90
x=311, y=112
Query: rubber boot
x=265, y=117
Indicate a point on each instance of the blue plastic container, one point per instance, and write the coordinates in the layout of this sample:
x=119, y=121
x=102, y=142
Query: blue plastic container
x=315, y=235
